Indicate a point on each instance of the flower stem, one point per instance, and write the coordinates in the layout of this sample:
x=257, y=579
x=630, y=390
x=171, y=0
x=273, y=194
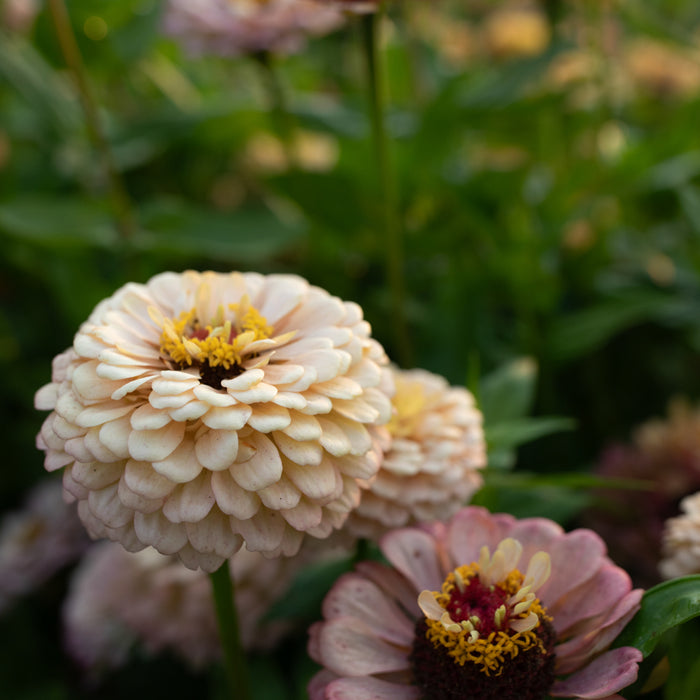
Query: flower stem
x=387, y=184
x=282, y=120
x=121, y=203
x=234, y=657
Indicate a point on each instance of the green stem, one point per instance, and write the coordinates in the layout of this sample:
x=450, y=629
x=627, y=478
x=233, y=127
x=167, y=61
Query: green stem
x=234, y=656
x=121, y=203
x=282, y=120
x=387, y=184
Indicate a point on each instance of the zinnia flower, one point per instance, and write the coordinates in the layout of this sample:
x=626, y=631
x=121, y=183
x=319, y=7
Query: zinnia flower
x=430, y=469
x=234, y=27
x=484, y=607
x=118, y=600
x=38, y=540
x=681, y=547
x=201, y=410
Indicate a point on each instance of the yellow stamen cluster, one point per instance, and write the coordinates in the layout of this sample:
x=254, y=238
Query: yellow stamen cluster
x=408, y=402
x=223, y=342
x=463, y=641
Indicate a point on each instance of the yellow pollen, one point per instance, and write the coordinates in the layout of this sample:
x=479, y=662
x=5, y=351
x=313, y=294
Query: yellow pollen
x=221, y=343
x=463, y=641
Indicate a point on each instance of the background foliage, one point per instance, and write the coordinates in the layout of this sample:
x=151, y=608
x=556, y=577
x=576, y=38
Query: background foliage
x=551, y=212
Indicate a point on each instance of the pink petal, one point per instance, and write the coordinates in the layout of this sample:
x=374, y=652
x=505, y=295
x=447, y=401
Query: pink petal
x=317, y=685
x=369, y=689
x=610, y=672
x=350, y=648
x=472, y=528
x=575, y=558
x=355, y=596
x=413, y=553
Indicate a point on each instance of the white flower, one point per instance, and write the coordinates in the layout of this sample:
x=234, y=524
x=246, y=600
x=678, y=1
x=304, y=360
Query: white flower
x=681, y=541
x=202, y=410
x=431, y=468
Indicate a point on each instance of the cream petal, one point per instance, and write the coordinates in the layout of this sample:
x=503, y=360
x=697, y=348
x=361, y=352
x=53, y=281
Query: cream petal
x=119, y=373
x=268, y=417
x=95, y=476
x=112, y=356
x=308, y=452
x=127, y=388
x=106, y=506
x=89, y=385
x=333, y=439
x=351, y=648
x=72, y=490
x=96, y=448
x=231, y=498
x=160, y=401
x=156, y=445
x=174, y=385
x=290, y=400
x=261, y=533
x=115, y=436
x=64, y=429
x=229, y=418
x=263, y=468
x=304, y=515
x=359, y=466
x=102, y=413
x=260, y=393
x=45, y=399
x=138, y=503
x=357, y=434
x=354, y=596
x=214, y=536
x=301, y=345
x=145, y=417
x=88, y=346
x=339, y=388
x=213, y=397
x=156, y=530
x=182, y=465
x=414, y=554
x=356, y=410
x=56, y=460
x=280, y=294
x=316, y=404
x=190, y=411
x=282, y=373
x=303, y=382
x=68, y=406
x=144, y=480
x=245, y=381
x=280, y=495
x=217, y=449
x=77, y=449
x=318, y=482
x=190, y=502
x=303, y=428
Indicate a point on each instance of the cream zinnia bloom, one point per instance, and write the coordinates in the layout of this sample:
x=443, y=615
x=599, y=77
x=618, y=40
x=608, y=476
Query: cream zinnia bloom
x=431, y=467
x=201, y=410
x=681, y=547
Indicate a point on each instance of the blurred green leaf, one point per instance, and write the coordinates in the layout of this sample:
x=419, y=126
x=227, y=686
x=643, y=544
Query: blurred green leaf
x=250, y=236
x=508, y=392
x=663, y=607
x=684, y=664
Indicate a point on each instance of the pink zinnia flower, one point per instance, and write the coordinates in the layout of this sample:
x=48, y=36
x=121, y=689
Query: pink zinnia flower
x=484, y=607
x=234, y=27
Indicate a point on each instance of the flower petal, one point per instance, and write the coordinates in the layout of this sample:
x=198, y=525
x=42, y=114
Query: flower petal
x=217, y=449
x=414, y=554
x=231, y=498
x=155, y=445
x=263, y=468
x=369, y=688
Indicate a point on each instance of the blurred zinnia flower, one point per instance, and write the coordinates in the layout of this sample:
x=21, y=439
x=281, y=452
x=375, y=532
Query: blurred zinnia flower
x=38, y=540
x=681, y=541
x=484, y=607
x=430, y=469
x=234, y=27
x=666, y=454
x=203, y=409
x=118, y=600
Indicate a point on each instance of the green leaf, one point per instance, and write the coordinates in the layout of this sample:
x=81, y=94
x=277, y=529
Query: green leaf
x=517, y=432
x=684, y=663
x=508, y=392
x=663, y=607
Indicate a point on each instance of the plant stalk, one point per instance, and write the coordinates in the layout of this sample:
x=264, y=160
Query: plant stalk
x=121, y=203
x=234, y=659
x=386, y=177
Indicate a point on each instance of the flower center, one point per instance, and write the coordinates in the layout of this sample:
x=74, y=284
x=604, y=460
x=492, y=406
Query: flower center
x=485, y=634
x=409, y=403
x=217, y=348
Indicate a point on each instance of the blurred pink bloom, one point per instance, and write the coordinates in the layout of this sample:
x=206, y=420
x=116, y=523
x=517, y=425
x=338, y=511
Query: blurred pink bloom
x=430, y=468
x=202, y=410
x=37, y=541
x=233, y=27
x=119, y=600
x=485, y=607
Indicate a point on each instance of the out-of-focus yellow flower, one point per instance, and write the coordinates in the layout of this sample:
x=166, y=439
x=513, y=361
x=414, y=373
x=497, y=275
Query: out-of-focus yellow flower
x=515, y=32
